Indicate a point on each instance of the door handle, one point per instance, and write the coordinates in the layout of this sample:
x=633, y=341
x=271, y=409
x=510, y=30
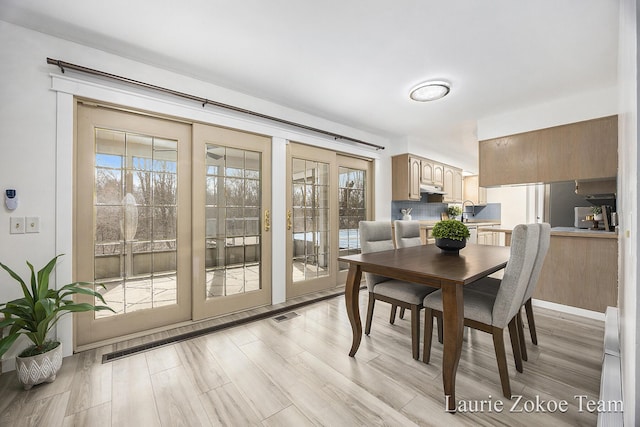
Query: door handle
x=267, y=220
x=289, y=220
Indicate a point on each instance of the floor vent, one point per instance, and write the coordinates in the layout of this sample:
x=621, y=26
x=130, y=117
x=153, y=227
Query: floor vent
x=110, y=357
x=284, y=317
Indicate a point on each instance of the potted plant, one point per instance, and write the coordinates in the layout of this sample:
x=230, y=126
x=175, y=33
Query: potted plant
x=454, y=211
x=451, y=235
x=34, y=315
x=597, y=213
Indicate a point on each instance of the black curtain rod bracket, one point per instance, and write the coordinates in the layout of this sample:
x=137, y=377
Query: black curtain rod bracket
x=67, y=65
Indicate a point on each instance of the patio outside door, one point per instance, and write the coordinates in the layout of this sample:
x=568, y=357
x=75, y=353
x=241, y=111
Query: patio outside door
x=328, y=194
x=231, y=221
x=173, y=218
x=132, y=221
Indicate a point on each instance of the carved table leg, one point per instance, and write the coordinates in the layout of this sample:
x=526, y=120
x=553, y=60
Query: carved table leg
x=351, y=292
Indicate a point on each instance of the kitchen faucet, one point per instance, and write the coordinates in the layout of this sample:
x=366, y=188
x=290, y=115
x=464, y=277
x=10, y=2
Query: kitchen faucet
x=473, y=206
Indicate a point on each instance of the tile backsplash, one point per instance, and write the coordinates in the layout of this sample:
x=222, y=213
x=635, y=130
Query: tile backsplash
x=425, y=211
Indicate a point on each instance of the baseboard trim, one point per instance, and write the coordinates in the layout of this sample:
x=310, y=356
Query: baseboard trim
x=568, y=309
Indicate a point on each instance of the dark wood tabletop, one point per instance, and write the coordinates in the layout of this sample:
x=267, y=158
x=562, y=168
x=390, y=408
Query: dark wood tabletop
x=427, y=264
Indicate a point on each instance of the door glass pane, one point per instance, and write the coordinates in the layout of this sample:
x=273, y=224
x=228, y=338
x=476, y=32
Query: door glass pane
x=135, y=220
x=352, y=210
x=310, y=219
x=232, y=214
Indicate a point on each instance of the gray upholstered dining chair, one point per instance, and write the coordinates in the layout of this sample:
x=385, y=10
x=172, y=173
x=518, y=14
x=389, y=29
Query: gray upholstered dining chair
x=407, y=233
x=491, y=286
x=376, y=236
x=493, y=313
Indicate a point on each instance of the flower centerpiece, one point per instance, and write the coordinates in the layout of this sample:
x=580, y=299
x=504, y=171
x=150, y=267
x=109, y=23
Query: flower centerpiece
x=451, y=235
x=34, y=315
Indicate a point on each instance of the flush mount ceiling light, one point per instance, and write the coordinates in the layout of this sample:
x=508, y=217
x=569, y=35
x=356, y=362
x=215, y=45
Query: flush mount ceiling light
x=430, y=91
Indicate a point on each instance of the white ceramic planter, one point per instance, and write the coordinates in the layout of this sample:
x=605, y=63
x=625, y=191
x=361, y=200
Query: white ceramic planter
x=40, y=368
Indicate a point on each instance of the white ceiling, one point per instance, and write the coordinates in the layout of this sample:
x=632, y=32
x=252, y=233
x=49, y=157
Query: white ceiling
x=354, y=61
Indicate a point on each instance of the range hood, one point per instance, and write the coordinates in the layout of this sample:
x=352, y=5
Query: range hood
x=431, y=189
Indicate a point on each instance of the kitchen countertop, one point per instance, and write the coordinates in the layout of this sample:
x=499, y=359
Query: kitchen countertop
x=568, y=232
x=431, y=223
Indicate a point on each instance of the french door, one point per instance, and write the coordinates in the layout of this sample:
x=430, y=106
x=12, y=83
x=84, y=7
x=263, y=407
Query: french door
x=132, y=221
x=171, y=217
x=231, y=221
x=327, y=195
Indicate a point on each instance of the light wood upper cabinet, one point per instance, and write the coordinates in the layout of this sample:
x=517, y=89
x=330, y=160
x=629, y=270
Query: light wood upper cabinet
x=452, y=185
x=405, y=182
x=409, y=171
x=426, y=177
x=583, y=150
x=414, y=178
x=508, y=160
x=472, y=191
x=438, y=174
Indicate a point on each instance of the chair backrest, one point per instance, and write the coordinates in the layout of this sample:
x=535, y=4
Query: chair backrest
x=543, y=247
x=524, y=247
x=407, y=233
x=375, y=236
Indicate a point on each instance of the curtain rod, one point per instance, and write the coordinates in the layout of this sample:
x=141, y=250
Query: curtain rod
x=67, y=65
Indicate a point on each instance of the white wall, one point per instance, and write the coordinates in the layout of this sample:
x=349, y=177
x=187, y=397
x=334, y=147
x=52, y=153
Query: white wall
x=588, y=105
x=628, y=295
x=36, y=125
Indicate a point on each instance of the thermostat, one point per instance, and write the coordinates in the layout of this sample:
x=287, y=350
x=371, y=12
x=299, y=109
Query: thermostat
x=11, y=199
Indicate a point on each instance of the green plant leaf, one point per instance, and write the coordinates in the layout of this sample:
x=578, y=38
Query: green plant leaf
x=43, y=277
x=34, y=284
x=25, y=290
x=7, y=342
x=74, y=288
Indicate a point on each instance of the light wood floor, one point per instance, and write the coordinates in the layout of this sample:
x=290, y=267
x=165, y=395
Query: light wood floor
x=297, y=373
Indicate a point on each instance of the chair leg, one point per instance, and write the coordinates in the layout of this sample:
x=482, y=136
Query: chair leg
x=372, y=302
x=415, y=331
x=428, y=331
x=402, y=312
x=523, y=345
x=440, y=329
x=532, y=323
x=501, y=357
x=392, y=317
x=515, y=343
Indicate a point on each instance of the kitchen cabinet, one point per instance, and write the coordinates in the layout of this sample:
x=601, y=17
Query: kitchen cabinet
x=486, y=237
x=583, y=150
x=580, y=270
x=432, y=173
x=409, y=171
x=472, y=191
x=405, y=184
x=426, y=176
x=438, y=174
x=452, y=185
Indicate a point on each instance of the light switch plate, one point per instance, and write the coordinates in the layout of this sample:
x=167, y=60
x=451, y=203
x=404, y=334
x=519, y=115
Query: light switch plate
x=32, y=224
x=17, y=224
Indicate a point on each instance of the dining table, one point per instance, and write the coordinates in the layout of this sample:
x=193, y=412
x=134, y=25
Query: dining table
x=428, y=265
